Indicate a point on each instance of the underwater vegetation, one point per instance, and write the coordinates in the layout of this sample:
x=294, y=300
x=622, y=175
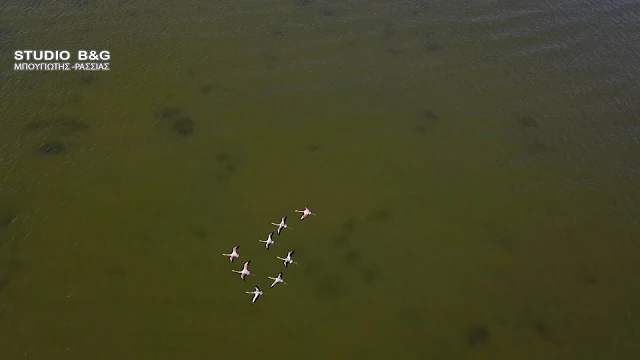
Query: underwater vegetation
x=176, y=121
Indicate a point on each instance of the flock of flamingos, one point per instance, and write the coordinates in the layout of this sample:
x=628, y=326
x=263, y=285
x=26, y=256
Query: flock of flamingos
x=287, y=260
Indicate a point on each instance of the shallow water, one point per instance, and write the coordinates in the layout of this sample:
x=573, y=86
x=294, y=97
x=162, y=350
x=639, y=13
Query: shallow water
x=473, y=167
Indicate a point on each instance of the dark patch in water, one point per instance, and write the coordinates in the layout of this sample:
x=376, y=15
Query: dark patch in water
x=227, y=162
x=206, y=89
x=352, y=257
x=69, y=125
x=327, y=12
x=411, y=316
x=590, y=280
x=350, y=225
x=222, y=176
x=7, y=219
x=167, y=114
x=392, y=51
x=183, y=126
x=223, y=158
x=66, y=125
x=329, y=287
x=388, y=30
x=313, y=267
x=7, y=37
x=506, y=243
x=35, y=125
x=4, y=284
x=305, y=3
x=278, y=33
x=430, y=115
x=33, y=3
x=52, y=148
x=534, y=144
x=478, y=336
x=115, y=271
x=543, y=331
x=310, y=149
x=382, y=215
x=527, y=122
x=434, y=47
x=83, y=4
x=420, y=128
x=86, y=79
x=369, y=275
x=341, y=240
x=199, y=234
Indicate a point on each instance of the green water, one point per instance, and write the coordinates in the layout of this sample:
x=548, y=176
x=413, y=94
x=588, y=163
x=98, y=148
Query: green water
x=473, y=168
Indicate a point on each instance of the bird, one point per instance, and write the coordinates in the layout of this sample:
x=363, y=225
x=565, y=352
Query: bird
x=256, y=294
x=306, y=212
x=245, y=271
x=277, y=280
x=288, y=260
x=234, y=253
x=269, y=241
x=282, y=225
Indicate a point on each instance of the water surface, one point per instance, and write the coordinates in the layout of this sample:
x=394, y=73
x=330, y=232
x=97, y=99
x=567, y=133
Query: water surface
x=473, y=167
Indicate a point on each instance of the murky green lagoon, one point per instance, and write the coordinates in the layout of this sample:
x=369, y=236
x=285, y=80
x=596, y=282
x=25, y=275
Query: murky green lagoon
x=474, y=166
